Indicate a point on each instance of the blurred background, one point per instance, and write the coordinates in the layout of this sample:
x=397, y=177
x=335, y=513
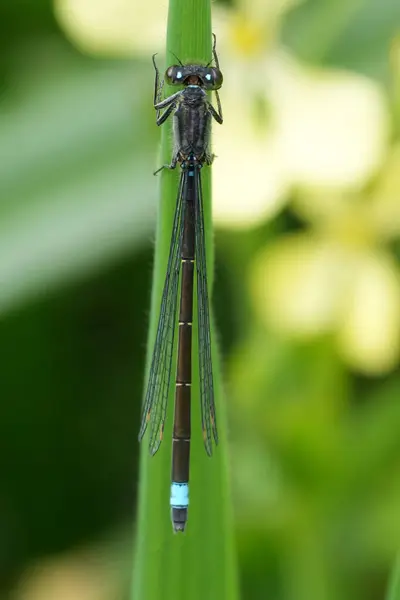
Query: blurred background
x=306, y=295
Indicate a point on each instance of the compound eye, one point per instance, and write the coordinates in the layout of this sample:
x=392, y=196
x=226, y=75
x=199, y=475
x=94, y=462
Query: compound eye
x=174, y=75
x=214, y=78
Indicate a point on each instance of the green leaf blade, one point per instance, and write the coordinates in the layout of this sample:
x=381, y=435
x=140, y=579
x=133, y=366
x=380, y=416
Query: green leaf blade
x=200, y=563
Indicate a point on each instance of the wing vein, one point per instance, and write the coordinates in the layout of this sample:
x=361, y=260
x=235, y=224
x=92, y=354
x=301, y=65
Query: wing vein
x=208, y=413
x=156, y=398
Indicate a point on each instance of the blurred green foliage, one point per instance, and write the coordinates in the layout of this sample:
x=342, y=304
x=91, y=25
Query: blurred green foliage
x=314, y=446
x=77, y=203
x=348, y=33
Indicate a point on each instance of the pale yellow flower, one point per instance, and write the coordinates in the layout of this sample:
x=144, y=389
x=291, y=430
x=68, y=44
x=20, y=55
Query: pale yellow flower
x=340, y=276
x=326, y=129
x=114, y=27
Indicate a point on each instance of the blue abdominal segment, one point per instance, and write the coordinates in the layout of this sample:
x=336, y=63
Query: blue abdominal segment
x=179, y=495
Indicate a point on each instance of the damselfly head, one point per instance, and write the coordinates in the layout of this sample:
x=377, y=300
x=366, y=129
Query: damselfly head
x=209, y=78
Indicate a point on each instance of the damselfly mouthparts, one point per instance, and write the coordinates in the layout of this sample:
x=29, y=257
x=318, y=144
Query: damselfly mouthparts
x=192, y=112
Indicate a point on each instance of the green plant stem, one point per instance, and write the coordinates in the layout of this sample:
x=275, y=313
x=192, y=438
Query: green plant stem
x=393, y=592
x=201, y=562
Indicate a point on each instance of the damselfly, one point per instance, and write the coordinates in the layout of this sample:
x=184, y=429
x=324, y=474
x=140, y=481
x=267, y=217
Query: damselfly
x=192, y=112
